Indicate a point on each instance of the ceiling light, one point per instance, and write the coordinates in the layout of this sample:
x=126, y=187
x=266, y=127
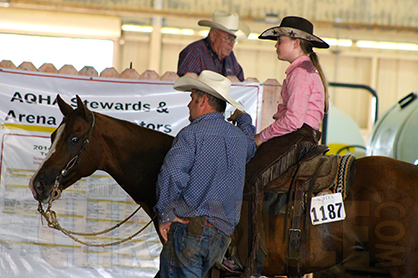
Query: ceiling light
x=387, y=45
x=204, y=33
x=136, y=28
x=253, y=36
x=177, y=31
x=338, y=42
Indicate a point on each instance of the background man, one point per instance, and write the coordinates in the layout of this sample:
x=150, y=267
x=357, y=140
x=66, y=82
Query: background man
x=215, y=51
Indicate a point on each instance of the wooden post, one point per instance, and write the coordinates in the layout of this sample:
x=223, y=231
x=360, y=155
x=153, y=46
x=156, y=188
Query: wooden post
x=130, y=74
x=110, y=73
x=251, y=80
x=27, y=66
x=271, y=98
x=150, y=75
x=192, y=74
x=233, y=78
x=155, y=43
x=68, y=69
x=88, y=71
x=48, y=67
x=7, y=64
x=169, y=76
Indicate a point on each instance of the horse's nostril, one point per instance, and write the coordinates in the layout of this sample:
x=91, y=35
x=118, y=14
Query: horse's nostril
x=38, y=187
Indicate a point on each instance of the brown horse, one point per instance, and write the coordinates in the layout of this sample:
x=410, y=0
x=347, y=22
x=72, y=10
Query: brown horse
x=131, y=154
x=381, y=221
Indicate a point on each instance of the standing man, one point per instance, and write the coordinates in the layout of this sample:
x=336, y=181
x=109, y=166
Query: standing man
x=200, y=185
x=215, y=51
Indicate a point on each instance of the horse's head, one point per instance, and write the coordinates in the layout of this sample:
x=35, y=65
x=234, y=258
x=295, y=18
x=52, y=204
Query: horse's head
x=70, y=157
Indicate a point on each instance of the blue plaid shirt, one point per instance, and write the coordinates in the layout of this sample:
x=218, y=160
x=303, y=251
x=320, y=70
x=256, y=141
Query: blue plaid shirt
x=199, y=56
x=204, y=171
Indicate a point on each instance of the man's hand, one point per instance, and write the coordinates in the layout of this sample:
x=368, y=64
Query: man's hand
x=233, y=117
x=164, y=228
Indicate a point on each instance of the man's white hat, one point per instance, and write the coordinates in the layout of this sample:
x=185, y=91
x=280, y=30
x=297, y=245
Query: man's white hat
x=227, y=22
x=209, y=82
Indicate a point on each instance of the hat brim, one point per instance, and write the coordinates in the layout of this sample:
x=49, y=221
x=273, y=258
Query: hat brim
x=274, y=32
x=243, y=32
x=187, y=84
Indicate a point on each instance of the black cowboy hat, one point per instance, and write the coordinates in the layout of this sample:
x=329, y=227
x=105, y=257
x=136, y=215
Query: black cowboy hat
x=294, y=27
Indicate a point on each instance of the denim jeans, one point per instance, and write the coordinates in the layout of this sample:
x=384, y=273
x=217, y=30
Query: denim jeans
x=188, y=256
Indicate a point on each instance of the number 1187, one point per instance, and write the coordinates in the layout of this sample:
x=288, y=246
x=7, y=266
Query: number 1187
x=331, y=211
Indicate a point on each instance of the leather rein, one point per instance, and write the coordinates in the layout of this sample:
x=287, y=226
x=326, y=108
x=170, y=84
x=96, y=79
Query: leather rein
x=51, y=216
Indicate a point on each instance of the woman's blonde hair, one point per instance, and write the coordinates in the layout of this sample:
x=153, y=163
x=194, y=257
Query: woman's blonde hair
x=307, y=48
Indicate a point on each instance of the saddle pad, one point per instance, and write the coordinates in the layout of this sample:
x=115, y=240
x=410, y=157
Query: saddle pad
x=340, y=183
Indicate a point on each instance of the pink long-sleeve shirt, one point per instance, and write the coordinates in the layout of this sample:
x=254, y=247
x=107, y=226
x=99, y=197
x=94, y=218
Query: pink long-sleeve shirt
x=303, y=100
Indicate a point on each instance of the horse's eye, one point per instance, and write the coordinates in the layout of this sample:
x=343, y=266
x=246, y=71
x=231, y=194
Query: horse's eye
x=75, y=139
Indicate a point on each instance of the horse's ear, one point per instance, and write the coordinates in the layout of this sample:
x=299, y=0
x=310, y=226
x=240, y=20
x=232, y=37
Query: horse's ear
x=64, y=107
x=82, y=107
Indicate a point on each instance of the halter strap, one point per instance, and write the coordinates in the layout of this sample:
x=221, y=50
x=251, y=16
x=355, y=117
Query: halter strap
x=56, y=192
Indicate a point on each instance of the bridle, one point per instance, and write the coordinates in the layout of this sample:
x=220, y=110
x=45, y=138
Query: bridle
x=56, y=191
x=50, y=215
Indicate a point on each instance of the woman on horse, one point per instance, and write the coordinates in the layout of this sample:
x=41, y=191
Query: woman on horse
x=298, y=118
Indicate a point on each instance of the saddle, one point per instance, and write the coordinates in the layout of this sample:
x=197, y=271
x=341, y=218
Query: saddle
x=305, y=170
x=315, y=172
x=312, y=174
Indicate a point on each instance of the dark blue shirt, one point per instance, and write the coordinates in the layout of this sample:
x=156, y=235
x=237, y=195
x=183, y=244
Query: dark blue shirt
x=204, y=171
x=199, y=56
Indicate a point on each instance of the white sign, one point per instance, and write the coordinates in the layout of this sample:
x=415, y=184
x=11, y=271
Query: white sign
x=28, y=115
x=327, y=208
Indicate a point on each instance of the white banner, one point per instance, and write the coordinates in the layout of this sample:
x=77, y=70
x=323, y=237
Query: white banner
x=28, y=115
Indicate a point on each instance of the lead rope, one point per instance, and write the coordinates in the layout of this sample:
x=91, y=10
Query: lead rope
x=51, y=218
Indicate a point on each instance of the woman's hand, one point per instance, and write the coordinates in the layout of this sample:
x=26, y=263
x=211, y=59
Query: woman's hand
x=257, y=140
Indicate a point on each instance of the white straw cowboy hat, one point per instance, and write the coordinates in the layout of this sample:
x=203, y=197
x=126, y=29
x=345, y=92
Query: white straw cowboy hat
x=209, y=82
x=227, y=22
x=294, y=27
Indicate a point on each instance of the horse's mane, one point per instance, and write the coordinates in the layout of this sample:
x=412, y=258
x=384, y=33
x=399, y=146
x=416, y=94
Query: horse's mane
x=135, y=128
